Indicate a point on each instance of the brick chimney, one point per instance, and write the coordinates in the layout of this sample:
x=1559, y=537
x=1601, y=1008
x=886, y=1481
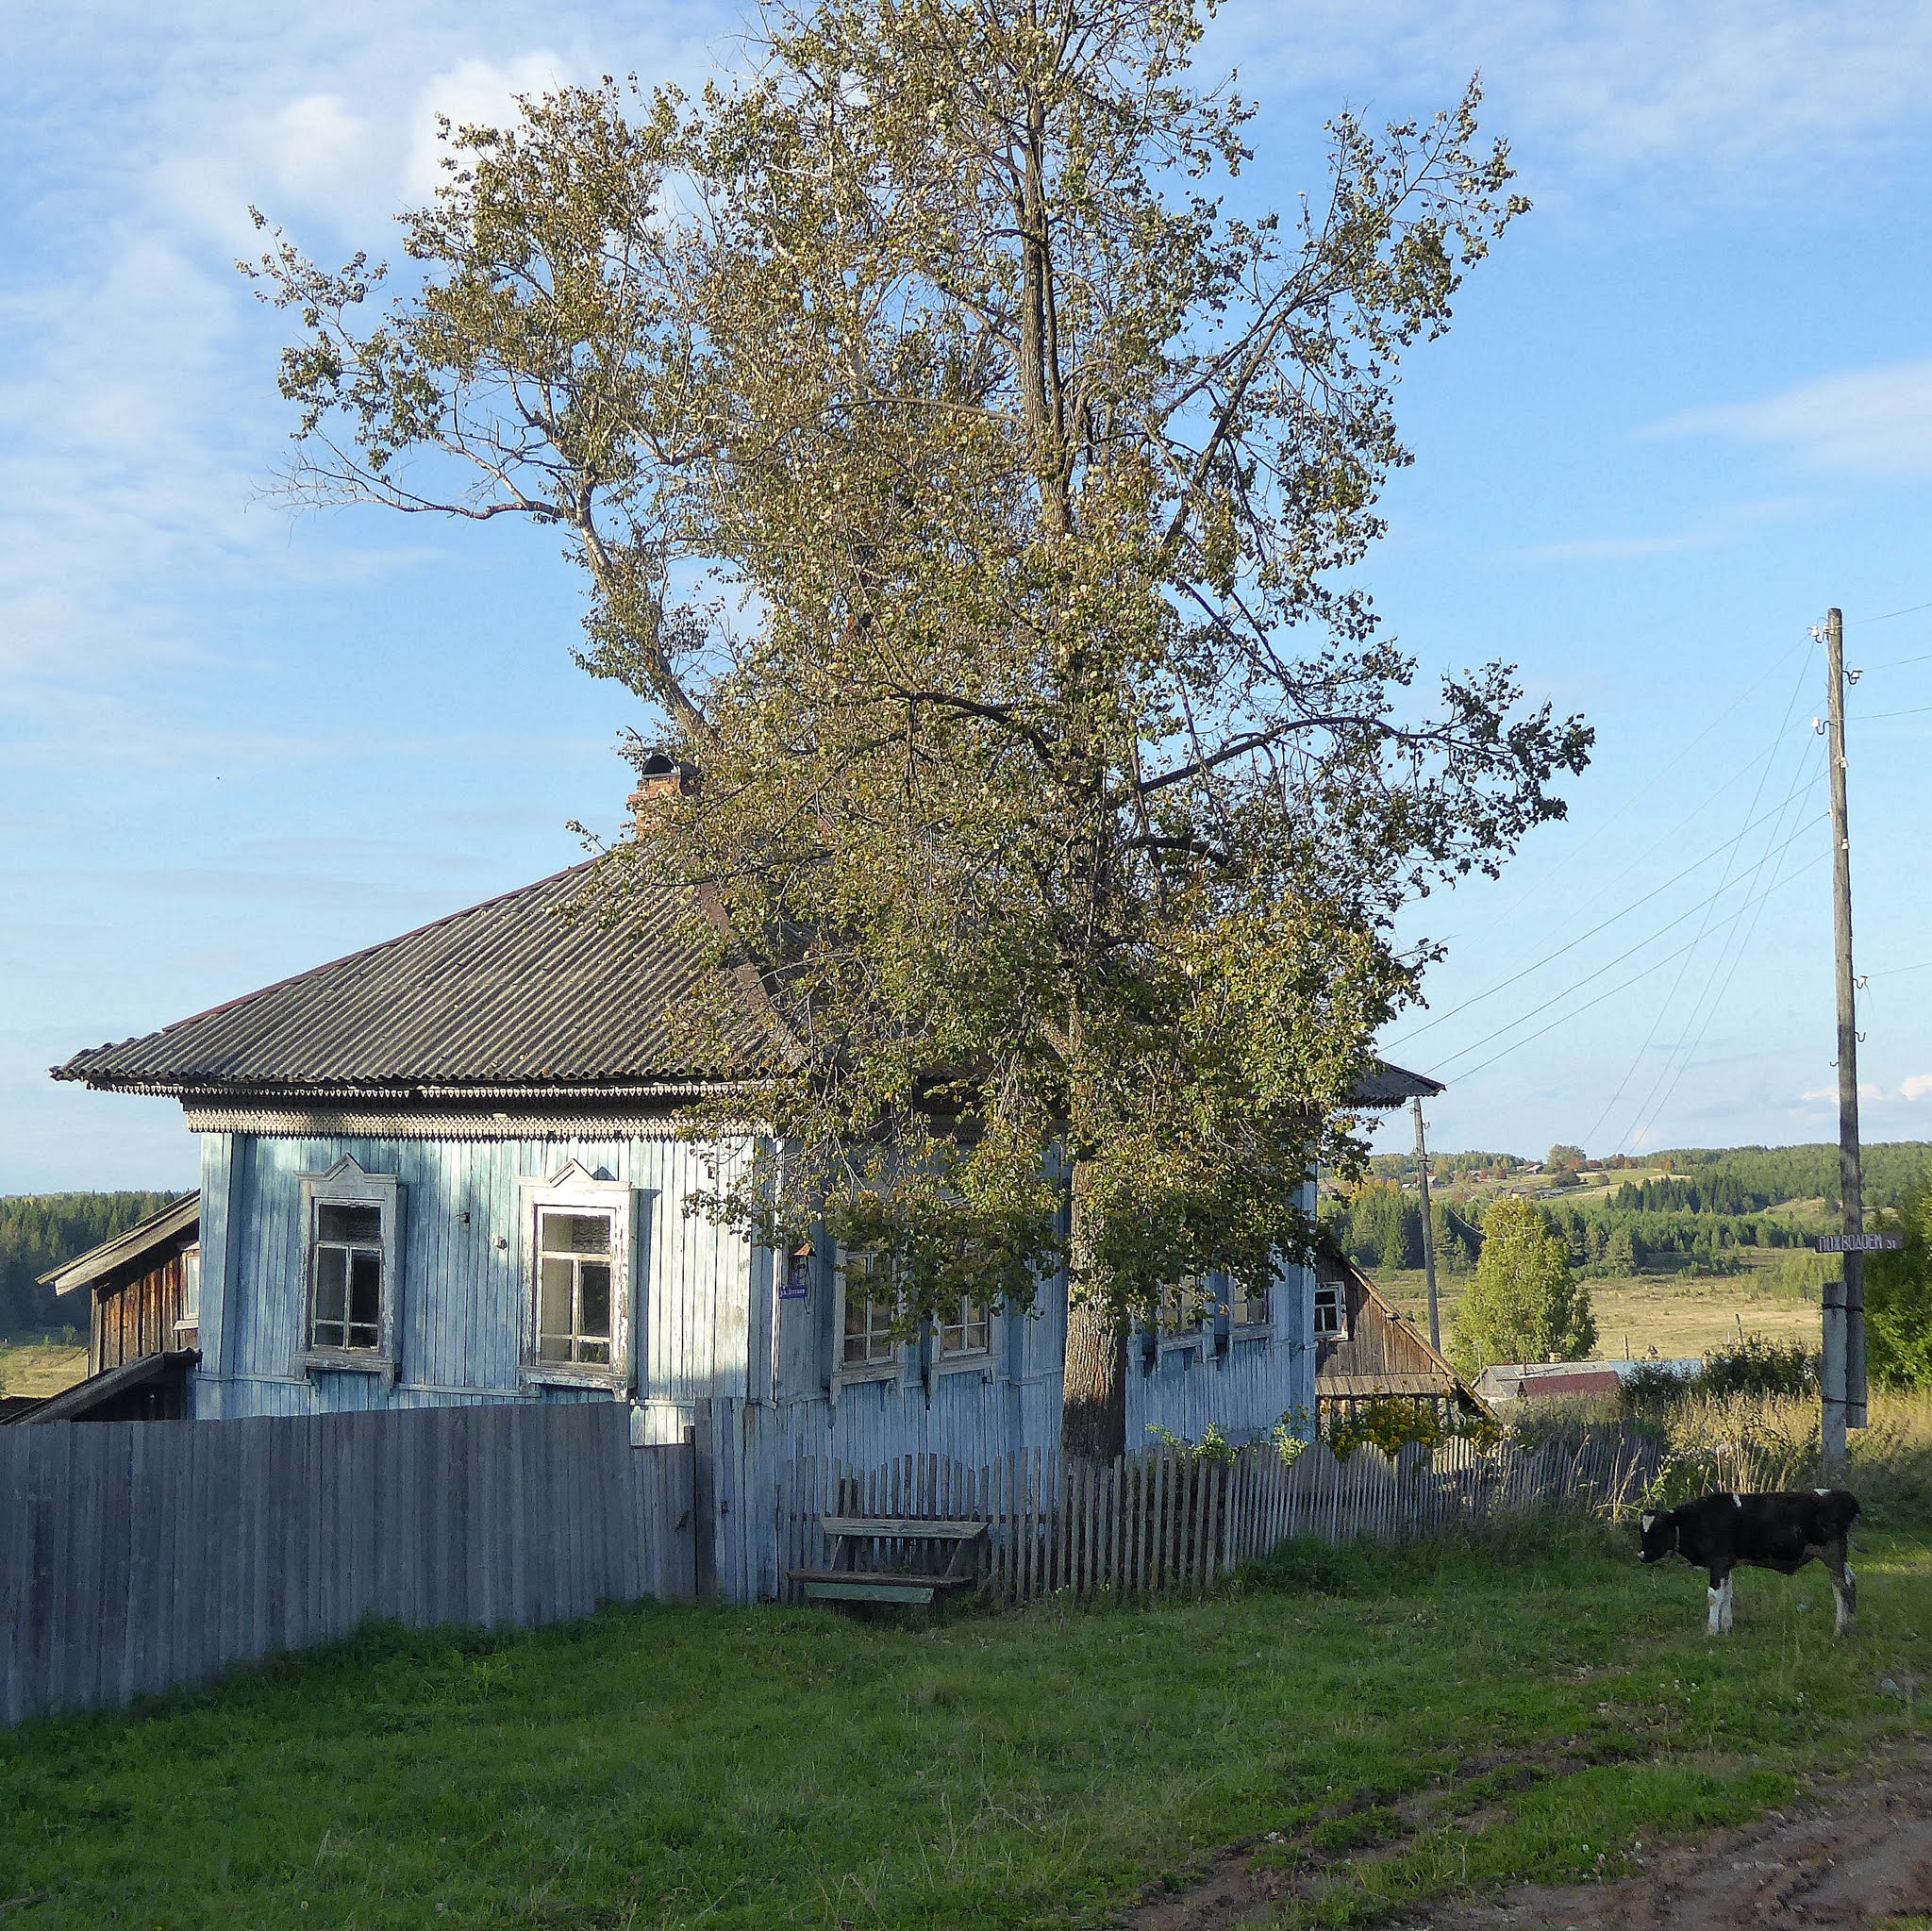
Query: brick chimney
x=659, y=778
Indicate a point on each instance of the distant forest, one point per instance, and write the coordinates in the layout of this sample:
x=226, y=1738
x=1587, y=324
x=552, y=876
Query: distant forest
x=1709, y=1204
x=40, y=1231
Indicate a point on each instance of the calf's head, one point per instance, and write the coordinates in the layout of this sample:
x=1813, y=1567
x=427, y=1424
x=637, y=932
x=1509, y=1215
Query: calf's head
x=1660, y=1535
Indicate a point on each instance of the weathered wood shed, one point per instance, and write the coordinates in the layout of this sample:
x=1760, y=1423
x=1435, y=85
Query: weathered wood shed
x=143, y=1296
x=1367, y=1350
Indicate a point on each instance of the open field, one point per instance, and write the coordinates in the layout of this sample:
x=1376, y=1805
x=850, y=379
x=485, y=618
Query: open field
x=1347, y=1734
x=39, y=1368
x=1680, y=1315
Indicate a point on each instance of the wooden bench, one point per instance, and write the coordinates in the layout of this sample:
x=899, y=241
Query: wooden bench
x=846, y=1582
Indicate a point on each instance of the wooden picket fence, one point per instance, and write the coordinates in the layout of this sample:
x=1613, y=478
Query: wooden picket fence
x=1166, y=1521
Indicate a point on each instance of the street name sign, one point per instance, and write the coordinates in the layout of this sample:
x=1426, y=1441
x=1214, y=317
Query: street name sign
x=1860, y=1243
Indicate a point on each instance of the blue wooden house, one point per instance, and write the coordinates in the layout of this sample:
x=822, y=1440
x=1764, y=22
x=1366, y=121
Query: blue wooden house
x=450, y=1169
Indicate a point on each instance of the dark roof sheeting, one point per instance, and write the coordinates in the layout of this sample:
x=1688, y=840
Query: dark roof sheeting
x=1388, y=1085
x=539, y=989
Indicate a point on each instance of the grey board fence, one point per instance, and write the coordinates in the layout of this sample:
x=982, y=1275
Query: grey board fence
x=147, y=1556
x=1163, y=1519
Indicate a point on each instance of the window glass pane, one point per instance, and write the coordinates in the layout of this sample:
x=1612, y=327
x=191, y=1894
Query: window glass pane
x=576, y=1233
x=338, y=1221
x=969, y=1335
x=553, y=1316
x=594, y=1315
x=331, y=1298
x=596, y=1352
x=365, y=1299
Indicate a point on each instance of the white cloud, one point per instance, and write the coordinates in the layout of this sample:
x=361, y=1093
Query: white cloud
x=1618, y=84
x=1867, y=422
x=479, y=94
x=1919, y=1087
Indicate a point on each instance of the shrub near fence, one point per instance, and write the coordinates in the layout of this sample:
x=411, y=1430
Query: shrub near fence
x=139, y=1556
x=1172, y=1519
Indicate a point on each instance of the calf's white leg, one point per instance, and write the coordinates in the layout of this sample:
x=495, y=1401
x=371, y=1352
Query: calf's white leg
x=1714, y=1622
x=1844, y=1591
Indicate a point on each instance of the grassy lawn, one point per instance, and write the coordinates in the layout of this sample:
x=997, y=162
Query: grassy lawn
x=1680, y=1315
x=41, y=1368
x=1466, y=1718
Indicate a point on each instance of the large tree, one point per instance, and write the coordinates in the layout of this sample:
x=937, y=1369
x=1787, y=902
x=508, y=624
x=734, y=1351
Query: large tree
x=1524, y=1304
x=968, y=486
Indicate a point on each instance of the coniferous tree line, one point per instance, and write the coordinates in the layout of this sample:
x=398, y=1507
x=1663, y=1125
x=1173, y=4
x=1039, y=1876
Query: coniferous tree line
x=42, y=1231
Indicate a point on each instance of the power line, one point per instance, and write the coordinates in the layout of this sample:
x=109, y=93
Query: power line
x=1670, y=997
x=1895, y=663
x=1872, y=717
x=1715, y=1005
x=1570, y=945
x=1610, y=965
x=1910, y=611
x=1925, y=965
x=1469, y=1071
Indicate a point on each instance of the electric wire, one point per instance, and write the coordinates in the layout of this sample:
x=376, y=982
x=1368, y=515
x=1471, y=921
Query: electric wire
x=1610, y=965
x=1531, y=887
x=1563, y=1018
x=1715, y=1004
x=1925, y=965
x=1872, y=717
x=1670, y=997
x=1912, y=610
x=1893, y=663
x=1570, y=945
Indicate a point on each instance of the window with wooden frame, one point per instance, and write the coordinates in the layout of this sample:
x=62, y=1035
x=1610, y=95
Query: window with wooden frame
x=868, y=1307
x=1183, y=1310
x=965, y=1340
x=1331, y=1312
x=351, y=1239
x=1248, y=1310
x=577, y=1244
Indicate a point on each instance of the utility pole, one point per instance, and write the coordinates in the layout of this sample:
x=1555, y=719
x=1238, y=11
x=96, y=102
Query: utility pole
x=1844, y=1352
x=1422, y=1165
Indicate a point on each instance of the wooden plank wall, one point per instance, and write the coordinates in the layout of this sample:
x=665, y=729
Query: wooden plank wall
x=139, y=1317
x=137, y=1557
x=1164, y=1521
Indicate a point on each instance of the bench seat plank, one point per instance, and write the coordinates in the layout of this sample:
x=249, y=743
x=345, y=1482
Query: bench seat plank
x=854, y=1587
x=913, y=1527
x=897, y=1578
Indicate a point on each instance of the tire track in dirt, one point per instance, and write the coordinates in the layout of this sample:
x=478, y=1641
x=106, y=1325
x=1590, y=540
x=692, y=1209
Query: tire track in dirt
x=1853, y=1858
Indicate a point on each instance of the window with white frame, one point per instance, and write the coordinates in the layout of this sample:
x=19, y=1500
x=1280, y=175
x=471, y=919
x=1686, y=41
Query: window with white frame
x=577, y=1243
x=1249, y=1308
x=868, y=1307
x=350, y=1236
x=967, y=1335
x=1183, y=1310
x=1331, y=1313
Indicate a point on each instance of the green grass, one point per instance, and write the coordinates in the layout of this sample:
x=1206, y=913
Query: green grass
x=677, y=1766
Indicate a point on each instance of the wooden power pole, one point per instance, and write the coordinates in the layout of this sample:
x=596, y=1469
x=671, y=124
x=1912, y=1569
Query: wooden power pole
x=1844, y=1350
x=1422, y=1164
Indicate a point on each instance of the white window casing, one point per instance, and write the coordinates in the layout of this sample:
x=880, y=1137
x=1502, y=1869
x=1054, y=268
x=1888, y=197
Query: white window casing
x=351, y=1269
x=968, y=1343
x=1331, y=1313
x=578, y=1235
x=863, y=1347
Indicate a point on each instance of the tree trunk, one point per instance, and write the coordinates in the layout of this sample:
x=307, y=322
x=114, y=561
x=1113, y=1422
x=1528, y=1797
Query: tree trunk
x=1093, y=1400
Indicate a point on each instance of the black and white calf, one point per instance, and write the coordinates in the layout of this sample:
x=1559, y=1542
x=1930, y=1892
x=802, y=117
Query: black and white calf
x=1720, y=1533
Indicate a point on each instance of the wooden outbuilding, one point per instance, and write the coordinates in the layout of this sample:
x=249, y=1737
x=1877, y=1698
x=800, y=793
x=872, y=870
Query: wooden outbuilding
x=1366, y=1350
x=142, y=1329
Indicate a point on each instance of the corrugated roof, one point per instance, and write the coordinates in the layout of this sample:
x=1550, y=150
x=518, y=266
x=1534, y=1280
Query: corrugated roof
x=1389, y=1085
x=532, y=989
x=538, y=990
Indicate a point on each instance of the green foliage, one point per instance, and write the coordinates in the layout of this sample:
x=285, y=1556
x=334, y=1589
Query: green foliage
x=1898, y=1297
x=1213, y=1446
x=1061, y=787
x=40, y=1231
x=1762, y=1370
x=1388, y=1423
x=1524, y=1303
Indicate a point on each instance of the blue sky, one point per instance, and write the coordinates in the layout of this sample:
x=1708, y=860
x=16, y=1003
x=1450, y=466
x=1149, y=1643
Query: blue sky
x=1686, y=407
